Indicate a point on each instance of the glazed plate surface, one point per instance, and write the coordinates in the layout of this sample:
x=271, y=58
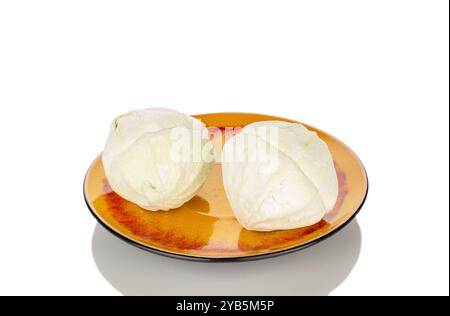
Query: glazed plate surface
x=204, y=228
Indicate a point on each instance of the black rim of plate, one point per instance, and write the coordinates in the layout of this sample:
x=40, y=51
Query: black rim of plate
x=226, y=259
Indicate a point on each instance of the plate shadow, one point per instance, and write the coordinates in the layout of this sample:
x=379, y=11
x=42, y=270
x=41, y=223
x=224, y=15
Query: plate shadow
x=314, y=271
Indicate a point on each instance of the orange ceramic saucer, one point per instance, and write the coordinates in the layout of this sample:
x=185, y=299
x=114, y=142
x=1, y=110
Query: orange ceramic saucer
x=204, y=228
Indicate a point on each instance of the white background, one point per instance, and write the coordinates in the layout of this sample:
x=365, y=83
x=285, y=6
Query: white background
x=372, y=73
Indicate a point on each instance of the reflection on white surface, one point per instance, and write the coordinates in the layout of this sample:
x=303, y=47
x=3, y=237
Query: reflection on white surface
x=314, y=271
